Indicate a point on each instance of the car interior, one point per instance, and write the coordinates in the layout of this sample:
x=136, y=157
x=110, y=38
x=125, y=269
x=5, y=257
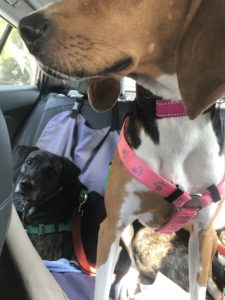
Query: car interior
x=30, y=102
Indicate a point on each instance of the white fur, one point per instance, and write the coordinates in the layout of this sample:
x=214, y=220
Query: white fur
x=200, y=294
x=126, y=287
x=165, y=86
x=128, y=234
x=131, y=202
x=221, y=259
x=178, y=156
x=146, y=218
x=194, y=263
x=17, y=189
x=104, y=273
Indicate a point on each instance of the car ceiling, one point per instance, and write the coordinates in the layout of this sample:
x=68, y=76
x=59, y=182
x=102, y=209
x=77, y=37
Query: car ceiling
x=14, y=10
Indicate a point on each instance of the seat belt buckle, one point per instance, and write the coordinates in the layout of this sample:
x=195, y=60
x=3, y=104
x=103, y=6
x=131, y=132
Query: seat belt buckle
x=76, y=107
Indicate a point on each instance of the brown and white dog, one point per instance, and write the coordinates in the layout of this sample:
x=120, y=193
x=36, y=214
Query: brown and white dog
x=174, y=48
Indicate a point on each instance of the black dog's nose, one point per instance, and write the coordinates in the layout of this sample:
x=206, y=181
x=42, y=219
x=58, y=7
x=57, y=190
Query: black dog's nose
x=33, y=28
x=25, y=186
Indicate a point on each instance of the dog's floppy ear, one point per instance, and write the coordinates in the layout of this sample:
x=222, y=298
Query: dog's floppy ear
x=20, y=152
x=200, y=60
x=103, y=93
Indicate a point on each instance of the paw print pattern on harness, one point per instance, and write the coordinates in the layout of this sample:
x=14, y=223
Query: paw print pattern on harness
x=159, y=185
x=125, y=153
x=138, y=170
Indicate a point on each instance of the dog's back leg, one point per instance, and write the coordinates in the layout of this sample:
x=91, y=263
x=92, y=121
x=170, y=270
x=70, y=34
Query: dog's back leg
x=202, y=247
x=109, y=236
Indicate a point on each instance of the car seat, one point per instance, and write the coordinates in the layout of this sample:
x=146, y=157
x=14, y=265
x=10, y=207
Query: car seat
x=6, y=180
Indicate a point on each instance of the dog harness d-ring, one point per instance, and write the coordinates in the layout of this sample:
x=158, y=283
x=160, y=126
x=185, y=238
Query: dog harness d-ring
x=186, y=205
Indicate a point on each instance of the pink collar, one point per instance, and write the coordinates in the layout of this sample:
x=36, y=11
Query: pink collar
x=186, y=205
x=168, y=108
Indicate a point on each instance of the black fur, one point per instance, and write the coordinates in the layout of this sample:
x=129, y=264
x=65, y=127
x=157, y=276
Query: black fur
x=218, y=119
x=143, y=115
x=93, y=214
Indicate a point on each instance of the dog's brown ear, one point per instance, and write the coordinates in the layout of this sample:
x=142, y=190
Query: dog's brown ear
x=103, y=93
x=200, y=61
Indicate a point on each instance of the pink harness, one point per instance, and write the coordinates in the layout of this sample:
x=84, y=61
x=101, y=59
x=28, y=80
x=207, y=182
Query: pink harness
x=186, y=205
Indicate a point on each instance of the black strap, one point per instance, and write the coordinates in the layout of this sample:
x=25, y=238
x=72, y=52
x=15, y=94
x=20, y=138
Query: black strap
x=74, y=113
x=78, y=103
x=214, y=193
x=115, y=119
x=95, y=151
x=176, y=194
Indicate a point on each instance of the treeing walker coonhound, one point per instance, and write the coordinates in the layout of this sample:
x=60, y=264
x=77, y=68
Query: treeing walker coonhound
x=176, y=50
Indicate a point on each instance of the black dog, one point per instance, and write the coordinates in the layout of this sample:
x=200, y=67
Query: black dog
x=46, y=196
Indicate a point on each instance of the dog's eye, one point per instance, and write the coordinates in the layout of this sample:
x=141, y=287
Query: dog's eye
x=29, y=162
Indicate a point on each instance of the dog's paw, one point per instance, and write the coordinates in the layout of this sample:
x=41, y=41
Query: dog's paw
x=126, y=288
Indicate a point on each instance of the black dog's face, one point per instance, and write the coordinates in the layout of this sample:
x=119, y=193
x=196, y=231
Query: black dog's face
x=40, y=175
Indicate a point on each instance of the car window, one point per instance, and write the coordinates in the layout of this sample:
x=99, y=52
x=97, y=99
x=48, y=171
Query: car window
x=17, y=66
x=128, y=88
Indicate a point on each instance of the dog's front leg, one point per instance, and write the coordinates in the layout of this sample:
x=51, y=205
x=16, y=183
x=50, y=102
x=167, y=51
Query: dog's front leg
x=107, y=254
x=126, y=287
x=202, y=245
x=123, y=205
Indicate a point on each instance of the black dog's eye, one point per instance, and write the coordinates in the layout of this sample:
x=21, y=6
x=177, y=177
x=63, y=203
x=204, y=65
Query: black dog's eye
x=29, y=162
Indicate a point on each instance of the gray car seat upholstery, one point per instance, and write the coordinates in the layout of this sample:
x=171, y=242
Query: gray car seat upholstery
x=6, y=180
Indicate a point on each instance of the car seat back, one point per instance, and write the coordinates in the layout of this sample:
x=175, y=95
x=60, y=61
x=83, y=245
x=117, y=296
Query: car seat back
x=6, y=180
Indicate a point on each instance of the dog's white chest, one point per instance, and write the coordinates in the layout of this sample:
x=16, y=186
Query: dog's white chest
x=187, y=153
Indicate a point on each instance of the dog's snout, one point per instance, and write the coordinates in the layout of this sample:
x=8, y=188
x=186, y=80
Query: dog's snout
x=25, y=186
x=33, y=28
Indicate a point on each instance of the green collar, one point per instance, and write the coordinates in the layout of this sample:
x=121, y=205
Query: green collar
x=43, y=229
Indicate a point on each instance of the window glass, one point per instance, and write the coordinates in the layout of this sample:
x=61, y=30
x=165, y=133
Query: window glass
x=128, y=89
x=17, y=66
x=3, y=25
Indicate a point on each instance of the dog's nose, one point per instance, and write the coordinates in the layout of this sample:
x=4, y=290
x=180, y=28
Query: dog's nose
x=25, y=186
x=33, y=28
